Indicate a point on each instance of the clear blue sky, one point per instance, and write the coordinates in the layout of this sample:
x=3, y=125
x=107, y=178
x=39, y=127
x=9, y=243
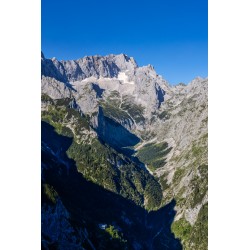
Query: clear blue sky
x=169, y=34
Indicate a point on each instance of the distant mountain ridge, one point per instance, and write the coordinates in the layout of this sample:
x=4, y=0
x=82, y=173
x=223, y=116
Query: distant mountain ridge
x=96, y=66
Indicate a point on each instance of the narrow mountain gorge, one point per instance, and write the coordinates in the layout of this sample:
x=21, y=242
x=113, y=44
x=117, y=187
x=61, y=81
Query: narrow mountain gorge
x=124, y=157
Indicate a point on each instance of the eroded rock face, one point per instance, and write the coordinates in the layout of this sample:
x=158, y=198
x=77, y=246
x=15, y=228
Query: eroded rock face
x=54, y=88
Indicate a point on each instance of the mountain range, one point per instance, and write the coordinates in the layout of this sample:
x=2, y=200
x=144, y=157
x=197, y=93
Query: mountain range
x=124, y=156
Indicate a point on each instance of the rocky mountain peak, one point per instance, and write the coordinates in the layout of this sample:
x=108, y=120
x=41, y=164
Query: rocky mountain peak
x=89, y=66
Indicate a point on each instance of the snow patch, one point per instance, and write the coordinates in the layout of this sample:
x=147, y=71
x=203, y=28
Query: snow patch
x=105, y=79
x=90, y=79
x=123, y=77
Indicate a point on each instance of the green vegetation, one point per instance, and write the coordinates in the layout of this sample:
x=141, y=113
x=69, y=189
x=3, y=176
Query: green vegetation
x=163, y=182
x=46, y=98
x=164, y=115
x=203, y=170
x=111, y=110
x=196, y=236
x=204, y=138
x=182, y=229
x=114, y=94
x=199, y=236
x=153, y=194
x=147, y=135
x=111, y=107
x=62, y=102
x=114, y=233
x=193, y=237
x=98, y=162
x=131, y=181
x=196, y=151
x=49, y=193
x=135, y=111
x=59, y=114
x=154, y=154
x=178, y=175
x=91, y=161
x=111, y=238
x=205, y=120
x=181, y=200
x=199, y=185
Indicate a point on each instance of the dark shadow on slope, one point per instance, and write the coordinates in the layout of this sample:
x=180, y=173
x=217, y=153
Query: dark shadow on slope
x=99, y=91
x=160, y=94
x=162, y=220
x=118, y=137
x=50, y=70
x=69, y=85
x=57, y=143
x=90, y=204
x=115, y=135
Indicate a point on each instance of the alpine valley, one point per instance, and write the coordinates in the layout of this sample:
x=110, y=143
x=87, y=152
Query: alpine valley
x=124, y=157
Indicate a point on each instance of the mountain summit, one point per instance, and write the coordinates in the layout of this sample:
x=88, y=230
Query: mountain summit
x=95, y=66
